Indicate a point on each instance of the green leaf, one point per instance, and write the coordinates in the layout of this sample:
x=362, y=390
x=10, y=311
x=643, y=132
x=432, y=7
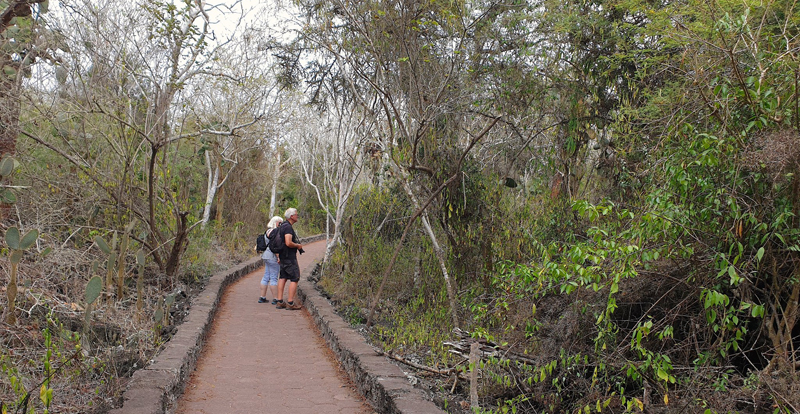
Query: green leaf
x=16, y=256
x=6, y=166
x=12, y=238
x=44, y=7
x=29, y=239
x=663, y=375
x=13, y=31
x=9, y=71
x=140, y=257
x=158, y=315
x=43, y=394
x=760, y=254
x=711, y=316
x=732, y=273
x=101, y=243
x=93, y=289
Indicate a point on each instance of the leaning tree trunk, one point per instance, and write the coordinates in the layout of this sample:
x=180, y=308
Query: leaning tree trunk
x=181, y=240
x=438, y=251
x=399, y=246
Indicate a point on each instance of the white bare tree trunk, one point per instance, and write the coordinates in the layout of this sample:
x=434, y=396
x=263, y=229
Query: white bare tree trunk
x=437, y=249
x=211, y=189
x=332, y=158
x=276, y=176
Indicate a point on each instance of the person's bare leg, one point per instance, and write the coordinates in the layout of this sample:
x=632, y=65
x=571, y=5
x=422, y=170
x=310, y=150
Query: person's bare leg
x=292, y=290
x=274, y=290
x=263, y=291
x=281, y=285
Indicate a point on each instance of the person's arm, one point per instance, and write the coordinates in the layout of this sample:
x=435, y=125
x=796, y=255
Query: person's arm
x=287, y=238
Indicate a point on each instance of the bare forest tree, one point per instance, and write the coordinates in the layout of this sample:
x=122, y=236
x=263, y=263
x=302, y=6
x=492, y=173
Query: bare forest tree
x=125, y=102
x=248, y=99
x=409, y=69
x=329, y=145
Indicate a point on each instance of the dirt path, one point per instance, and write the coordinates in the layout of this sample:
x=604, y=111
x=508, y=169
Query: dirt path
x=261, y=359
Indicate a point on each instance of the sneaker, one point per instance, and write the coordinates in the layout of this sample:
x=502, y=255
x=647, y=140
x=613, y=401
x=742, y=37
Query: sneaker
x=281, y=305
x=262, y=300
x=294, y=306
x=274, y=301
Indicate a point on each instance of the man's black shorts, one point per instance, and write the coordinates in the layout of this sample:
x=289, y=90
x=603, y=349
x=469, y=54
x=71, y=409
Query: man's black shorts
x=290, y=270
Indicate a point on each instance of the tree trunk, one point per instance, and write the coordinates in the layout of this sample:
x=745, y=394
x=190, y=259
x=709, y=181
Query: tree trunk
x=211, y=188
x=9, y=123
x=782, y=319
x=438, y=251
x=153, y=235
x=336, y=238
x=220, y=205
x=276, y=175
x=399, y=246
x=174, y=259
x=9, y=113
x=440, y=256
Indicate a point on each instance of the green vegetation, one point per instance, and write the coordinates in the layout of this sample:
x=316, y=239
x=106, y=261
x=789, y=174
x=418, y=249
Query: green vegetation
x=647, y=256
x=124, y=178
x=604, y=194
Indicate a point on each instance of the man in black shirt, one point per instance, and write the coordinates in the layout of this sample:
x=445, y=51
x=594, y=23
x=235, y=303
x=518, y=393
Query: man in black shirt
x=288, y=260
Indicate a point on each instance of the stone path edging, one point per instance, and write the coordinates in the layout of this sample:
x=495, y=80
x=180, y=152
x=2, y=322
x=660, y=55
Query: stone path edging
x=382, y=383
x=155, y=388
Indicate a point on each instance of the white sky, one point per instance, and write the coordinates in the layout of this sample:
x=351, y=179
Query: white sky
x=224, y=14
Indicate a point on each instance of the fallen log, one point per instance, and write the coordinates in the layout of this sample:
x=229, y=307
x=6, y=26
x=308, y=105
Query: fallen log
x=405, y=361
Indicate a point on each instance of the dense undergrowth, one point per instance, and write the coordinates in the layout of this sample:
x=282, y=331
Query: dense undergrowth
x=647, y=256
x=55, y=360
x=681, y=298
x=73, y=349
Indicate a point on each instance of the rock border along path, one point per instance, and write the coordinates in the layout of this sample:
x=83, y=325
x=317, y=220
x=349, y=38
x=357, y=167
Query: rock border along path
x=156, y=388
x=383, y=384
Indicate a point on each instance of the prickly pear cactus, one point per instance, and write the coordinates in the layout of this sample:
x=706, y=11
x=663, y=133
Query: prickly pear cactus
x=16, y=246
x=93, y=290
x=123, y=247
x=6, y=168
x=115, y=264
x=168, y=302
